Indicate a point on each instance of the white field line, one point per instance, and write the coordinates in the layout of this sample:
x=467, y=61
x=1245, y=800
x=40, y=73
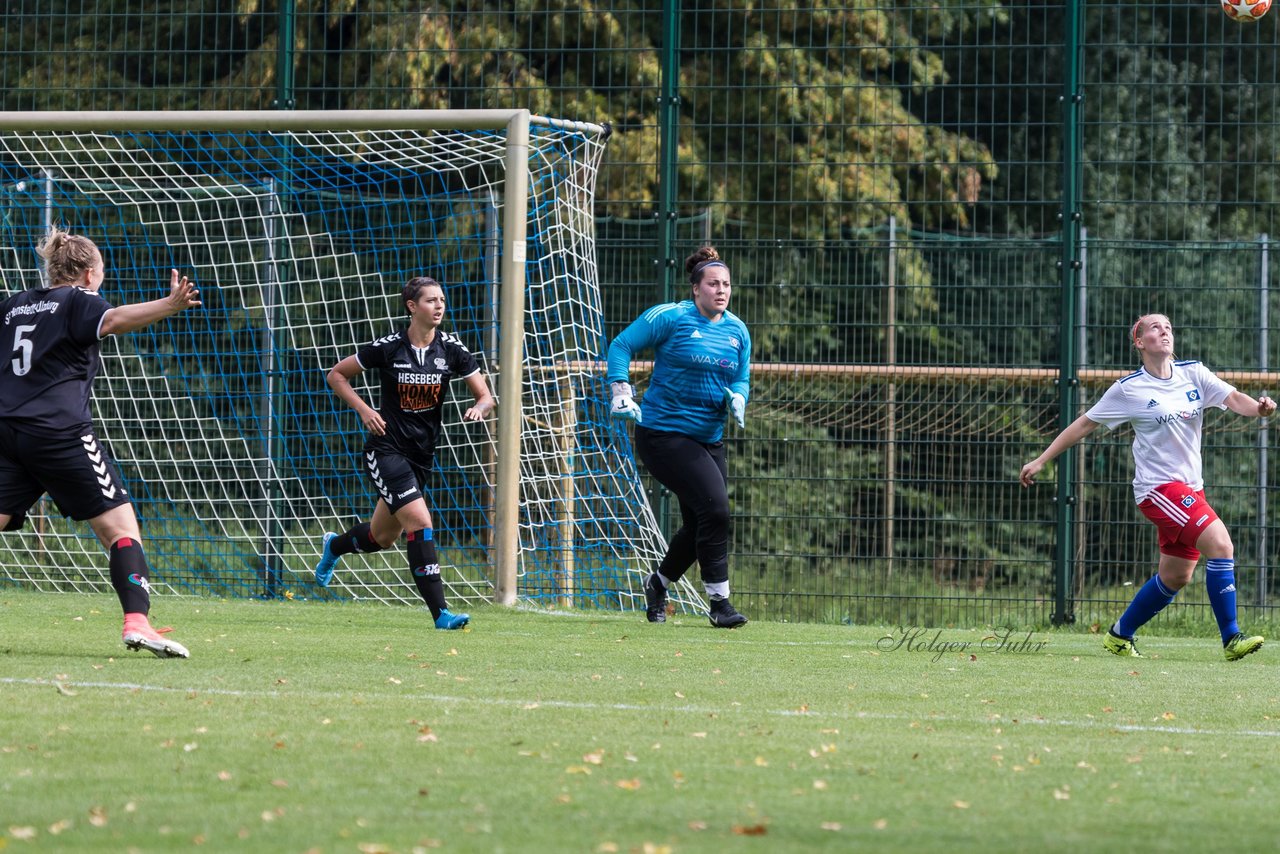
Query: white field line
x=631, y=707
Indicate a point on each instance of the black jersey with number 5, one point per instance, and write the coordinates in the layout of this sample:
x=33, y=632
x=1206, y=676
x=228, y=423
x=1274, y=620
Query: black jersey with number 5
x=415, y=384
x=49, y=356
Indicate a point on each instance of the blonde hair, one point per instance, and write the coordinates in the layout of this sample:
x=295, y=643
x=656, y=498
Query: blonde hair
x=67, y=256
x=1140, y=326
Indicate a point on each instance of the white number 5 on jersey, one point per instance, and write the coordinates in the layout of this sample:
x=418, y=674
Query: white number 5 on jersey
x=22, y=348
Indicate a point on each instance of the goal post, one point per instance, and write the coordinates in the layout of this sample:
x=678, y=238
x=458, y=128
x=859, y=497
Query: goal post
x=300, y=228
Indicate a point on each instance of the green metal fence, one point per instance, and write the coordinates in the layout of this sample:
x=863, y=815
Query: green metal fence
x=941, y=218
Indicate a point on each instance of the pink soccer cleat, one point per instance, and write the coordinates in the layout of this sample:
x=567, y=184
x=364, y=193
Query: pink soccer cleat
x=138, y=634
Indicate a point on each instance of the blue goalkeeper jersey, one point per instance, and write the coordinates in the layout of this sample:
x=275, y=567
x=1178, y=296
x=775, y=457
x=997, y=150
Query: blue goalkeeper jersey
x=695, y=360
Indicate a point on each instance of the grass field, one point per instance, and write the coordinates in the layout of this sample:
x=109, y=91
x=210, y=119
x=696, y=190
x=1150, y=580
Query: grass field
x=337, y=727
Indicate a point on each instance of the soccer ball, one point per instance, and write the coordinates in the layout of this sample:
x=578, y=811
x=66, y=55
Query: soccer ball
x=1245, y=11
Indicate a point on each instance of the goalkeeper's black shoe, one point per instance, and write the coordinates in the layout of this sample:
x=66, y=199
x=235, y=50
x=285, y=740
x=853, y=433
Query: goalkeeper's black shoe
x=655, y=599
x=723, y=615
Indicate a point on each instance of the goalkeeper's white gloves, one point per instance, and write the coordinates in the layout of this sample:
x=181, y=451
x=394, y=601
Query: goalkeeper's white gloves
x=624, y=402
x=738, y=406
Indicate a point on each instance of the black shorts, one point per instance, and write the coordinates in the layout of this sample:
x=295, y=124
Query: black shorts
x=77, y=472
x=398, y=479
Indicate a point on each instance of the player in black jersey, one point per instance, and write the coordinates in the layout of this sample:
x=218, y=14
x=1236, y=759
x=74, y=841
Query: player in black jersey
x=47, y=439
x=414, y=368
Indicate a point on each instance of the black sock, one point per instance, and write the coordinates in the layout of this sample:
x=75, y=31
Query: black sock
x=130, y=576
x=426, y=569
x=358, y=539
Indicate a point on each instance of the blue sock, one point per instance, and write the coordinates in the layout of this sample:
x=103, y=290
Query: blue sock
x=1147, y=602
x=1220, y=579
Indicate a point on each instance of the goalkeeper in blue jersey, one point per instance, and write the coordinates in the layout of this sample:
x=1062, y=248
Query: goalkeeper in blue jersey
x=701, y=374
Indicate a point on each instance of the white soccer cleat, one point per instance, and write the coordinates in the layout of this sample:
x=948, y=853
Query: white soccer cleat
x=149, y=639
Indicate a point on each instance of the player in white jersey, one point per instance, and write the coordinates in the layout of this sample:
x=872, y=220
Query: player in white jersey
x=1165, y=401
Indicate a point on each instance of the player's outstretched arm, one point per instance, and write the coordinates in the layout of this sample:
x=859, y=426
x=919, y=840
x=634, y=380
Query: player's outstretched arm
x=1074, y=432
x=339, y=379
x=183, y=294
x=1242, y=404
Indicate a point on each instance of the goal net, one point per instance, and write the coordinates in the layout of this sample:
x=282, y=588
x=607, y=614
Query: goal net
x=235, y=452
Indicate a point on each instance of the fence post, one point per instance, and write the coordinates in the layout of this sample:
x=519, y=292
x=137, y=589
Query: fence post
x=1264, y=322
x=891, y=393
x=1069, y=271
x=285, y=50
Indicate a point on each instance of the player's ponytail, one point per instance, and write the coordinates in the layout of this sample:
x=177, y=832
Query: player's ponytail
x=67, y=257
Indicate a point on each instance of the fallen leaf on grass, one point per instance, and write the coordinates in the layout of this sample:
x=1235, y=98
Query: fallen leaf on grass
x=831, y=825
x=630, y=785
x=1168, y=716
x=97, y=816
x=595, y=758
x=750, y=829
x=64, y=690
x=961, y=805
x=26, y=833
x=1062, y=794
x=577, y=769
x=59, y=826
x=697, y=825
x=880, y=824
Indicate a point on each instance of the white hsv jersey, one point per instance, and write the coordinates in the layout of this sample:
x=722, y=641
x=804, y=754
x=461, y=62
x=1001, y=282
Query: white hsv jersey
x=1167, y=418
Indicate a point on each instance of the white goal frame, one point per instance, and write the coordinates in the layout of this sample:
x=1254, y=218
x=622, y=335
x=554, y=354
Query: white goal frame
x=510, y=372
